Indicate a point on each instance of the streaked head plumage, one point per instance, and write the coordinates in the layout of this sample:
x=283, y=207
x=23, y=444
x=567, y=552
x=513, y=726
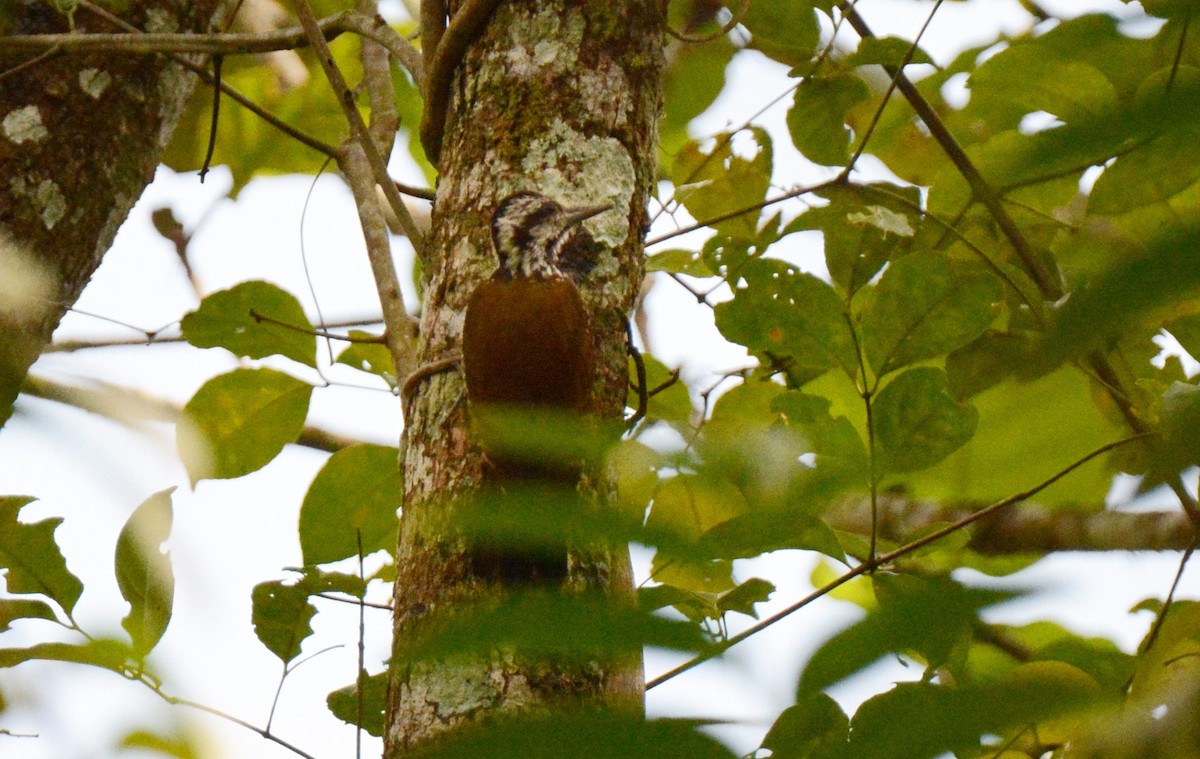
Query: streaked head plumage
x=529, y=232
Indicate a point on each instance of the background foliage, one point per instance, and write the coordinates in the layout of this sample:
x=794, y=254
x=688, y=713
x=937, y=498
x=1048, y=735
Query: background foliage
x=995, y=277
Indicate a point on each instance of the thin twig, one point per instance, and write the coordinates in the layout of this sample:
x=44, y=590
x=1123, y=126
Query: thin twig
x=267, y=734
x=1162, y=613
x=795, y=193
x=127, y=406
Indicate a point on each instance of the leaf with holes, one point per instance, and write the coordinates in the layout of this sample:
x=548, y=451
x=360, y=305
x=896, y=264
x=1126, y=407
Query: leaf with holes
x=237, y=422
x=789, y=314
x=144, y=573
x=281, y=615
x=372, y=357
x=253, y=319
x=817, y=118
x=31, y=559
x=718, y=182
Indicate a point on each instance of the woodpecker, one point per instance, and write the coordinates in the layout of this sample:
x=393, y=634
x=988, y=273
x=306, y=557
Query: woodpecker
x=529, y=365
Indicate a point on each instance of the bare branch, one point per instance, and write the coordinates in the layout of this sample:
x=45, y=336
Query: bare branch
x=143, y=43
x=1028, y=528
x=375, y=232
x=358, y=127
x=133, y=408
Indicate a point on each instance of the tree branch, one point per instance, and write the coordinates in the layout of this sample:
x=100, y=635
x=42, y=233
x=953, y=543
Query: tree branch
x=1048, y=282
x=1029, y=528
x=133, y=407
x=375, y=232
x=144, y=43
x=466, y=25
x=358, y=127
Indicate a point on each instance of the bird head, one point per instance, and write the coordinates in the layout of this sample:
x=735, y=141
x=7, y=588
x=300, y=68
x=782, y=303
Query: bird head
x=529, y=232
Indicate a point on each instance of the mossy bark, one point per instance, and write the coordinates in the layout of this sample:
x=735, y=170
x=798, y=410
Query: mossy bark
x=80, y=137
x=560, y=97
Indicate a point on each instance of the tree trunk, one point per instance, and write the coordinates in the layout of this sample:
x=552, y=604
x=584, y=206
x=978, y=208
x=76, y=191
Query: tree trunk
x=559, y=97
x=80, y=137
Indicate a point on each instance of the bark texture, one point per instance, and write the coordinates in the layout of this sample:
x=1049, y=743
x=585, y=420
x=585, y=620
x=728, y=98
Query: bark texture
x=560, y=97
x=80, y=137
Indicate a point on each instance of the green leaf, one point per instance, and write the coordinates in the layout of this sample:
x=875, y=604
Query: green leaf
x=281, y=615
x=863, y=231
x=679, y=261
x=144, y=573
x=789, y=314
x=1186, y=329
x=760, y=532
x=1027, y=431
x=23, y=608
x=785, y=30
x=1153, y=173
x=31, y=559
x=742, y=598
x=180, y=744
x=689, y=504
x=356, y=493
x=886, y=51
x=925, y=305
x=1178, y=448
x=634, y=470
x=841, y=455
x=691, y=604
x=371, y=357
x=918, y=423
x=237, y=422
x=815, y=727
x=1146, y=284
x=930, y=617
x=921, y=720
x=344, y=703
x=817, y=118
x=746, y=444
x=254, y=319
x=106, y=654
x=693, y=80
x=713, y=183
x=1034, y=78
x=987, y=360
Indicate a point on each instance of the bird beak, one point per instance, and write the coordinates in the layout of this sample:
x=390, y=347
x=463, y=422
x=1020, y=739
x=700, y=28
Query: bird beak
x=574, y=216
